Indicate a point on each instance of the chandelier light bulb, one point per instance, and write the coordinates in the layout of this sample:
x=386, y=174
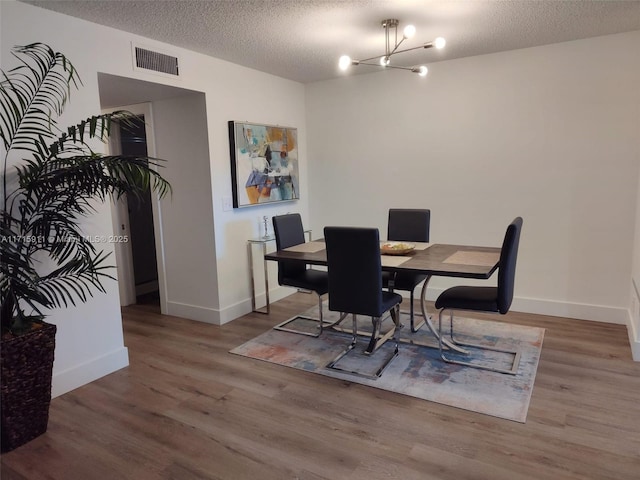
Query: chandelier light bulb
x=344, y=62
x=384, y=61
x=409, y=31
x=439, y=43
x=421, y=70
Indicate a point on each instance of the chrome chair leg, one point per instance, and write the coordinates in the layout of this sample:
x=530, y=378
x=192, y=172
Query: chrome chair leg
x=374, y=343
x=377, y=339
x=374, y=335
x=395, y=339
x=320, y=314
x=283, y=326
x=397, y=327
x=516, y=353
x=322, y=325
x=411, y=313
x=415, y=326
x=354, y=340
x=335, y=324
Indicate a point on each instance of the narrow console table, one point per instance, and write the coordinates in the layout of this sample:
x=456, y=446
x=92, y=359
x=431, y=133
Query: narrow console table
x=263, y=241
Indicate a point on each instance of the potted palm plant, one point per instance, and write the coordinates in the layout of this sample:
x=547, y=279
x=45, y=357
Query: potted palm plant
x=51, y=179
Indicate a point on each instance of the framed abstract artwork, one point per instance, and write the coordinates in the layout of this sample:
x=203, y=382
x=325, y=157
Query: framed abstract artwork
x=264, y=164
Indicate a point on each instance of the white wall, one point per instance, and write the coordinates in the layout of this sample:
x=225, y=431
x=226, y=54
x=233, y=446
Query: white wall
x=548, y=133
x=634, y=305
x=246, y=95
x=187, y=216
x=90, y=342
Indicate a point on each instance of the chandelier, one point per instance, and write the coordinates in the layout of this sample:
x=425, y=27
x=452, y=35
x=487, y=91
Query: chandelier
x=391, y=48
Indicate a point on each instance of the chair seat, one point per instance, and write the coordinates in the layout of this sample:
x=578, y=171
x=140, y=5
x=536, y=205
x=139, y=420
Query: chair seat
x=315, y=280
x=403, y=280
x=484, y=299
x=389, y=300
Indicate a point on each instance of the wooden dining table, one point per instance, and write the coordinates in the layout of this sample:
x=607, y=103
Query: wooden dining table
x=431, y=259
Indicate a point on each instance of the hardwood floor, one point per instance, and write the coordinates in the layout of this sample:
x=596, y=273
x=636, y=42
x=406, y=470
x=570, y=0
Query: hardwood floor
x=187, y=409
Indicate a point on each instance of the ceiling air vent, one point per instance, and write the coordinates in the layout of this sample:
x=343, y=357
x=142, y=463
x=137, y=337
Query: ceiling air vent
x=156, y=61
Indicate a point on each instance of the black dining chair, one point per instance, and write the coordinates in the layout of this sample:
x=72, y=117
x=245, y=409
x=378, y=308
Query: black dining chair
x=407, y=225
x=485, y=299
x=355, y=286
x=289, y=232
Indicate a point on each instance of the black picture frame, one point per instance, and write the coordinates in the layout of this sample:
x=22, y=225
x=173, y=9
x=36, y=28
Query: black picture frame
x=264, y=164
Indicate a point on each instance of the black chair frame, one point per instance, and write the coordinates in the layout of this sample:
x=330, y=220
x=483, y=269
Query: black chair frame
x=517, y=354
x=411, y=225
x=355, y=287
x=289, y=231
x=484, y=299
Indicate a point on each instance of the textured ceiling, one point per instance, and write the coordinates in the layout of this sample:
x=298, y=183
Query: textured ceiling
x=303, y=39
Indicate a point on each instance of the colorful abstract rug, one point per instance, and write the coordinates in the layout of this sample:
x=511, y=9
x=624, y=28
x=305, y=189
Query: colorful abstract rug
x=418, y=371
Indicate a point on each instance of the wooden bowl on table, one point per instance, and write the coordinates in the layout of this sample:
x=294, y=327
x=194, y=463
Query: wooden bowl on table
x=396, y=248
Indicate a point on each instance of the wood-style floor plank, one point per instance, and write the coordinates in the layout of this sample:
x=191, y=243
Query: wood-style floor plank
x=187, y=409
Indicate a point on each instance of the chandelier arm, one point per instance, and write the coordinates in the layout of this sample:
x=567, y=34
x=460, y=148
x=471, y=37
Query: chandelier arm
x=397, y=67
x=370, y=58
x=396, y=48
x=426, y=45
x=360, y=62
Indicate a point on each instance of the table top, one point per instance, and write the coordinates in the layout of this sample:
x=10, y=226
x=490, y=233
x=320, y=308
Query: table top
x=437, y=259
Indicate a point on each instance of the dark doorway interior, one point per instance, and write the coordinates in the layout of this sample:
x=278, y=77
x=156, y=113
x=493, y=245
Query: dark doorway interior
x=141, y=232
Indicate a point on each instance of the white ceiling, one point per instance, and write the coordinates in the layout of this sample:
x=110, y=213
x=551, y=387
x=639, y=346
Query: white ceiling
x=303, y=39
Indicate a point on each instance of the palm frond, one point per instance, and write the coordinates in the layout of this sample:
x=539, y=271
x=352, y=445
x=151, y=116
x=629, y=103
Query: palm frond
x=32, y=92
x=75, y=280
x=95, y=176
x=18, y=277
x=95, y=127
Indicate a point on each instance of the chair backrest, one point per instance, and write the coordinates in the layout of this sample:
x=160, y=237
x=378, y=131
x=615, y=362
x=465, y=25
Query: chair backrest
x=289, y=231
x=507, y=267
x=408, y=224
x=355, y=270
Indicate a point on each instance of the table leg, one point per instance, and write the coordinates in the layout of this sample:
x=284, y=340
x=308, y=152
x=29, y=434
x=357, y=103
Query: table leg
x=266, y=276
x=425, y=315
x=426, y=319
x=253, y=281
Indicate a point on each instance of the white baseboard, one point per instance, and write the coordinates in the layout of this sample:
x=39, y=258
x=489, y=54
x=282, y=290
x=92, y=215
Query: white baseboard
x=275, y=294
x=217, y=316
x=239, y=309
x=634, y=338
x=194, y=312
x=87, y=372
x=580, y=311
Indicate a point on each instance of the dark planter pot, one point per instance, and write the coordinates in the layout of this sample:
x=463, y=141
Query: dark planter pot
x=26, y=369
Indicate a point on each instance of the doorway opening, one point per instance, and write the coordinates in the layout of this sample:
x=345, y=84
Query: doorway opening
x=176, y=130
x=136, y=219
x=133, y=141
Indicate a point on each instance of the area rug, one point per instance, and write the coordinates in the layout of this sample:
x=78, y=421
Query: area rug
x=418, y=370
